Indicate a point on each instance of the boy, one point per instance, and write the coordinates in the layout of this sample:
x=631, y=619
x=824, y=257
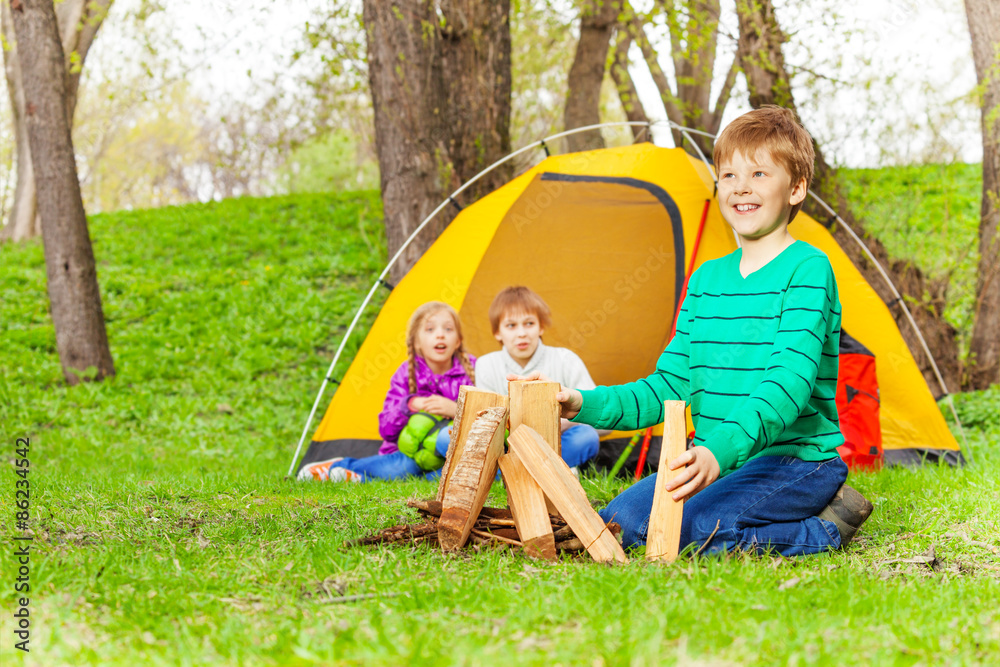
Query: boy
x=755, y=356
x=519, y=318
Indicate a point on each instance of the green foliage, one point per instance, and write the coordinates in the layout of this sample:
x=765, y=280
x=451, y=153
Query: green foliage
x=927, y=214
x=329, y=163
x=164, y=532
x=980, y=409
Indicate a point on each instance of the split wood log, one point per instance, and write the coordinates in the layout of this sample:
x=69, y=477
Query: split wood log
x=664, y=536
x=473, y=475
x=564, y=490
x=534, y=403
x=527, y=504
x=470, y=402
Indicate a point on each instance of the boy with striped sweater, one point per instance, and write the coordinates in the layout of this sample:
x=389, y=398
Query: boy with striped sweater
x=756, y=357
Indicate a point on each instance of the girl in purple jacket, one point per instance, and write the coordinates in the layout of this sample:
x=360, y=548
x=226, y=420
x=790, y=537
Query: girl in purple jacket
x=419, y=406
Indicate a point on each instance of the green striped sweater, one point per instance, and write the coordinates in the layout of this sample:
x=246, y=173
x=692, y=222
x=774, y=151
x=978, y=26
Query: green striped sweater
x=755, y=357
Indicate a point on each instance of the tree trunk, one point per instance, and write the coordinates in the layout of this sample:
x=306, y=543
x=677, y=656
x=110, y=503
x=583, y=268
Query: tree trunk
x=627, y=93
x=695, y=67
x=762, y=61
x=75, y=300
x=583, y=98
x=440, y=79
x=23, y=222
x=78, y=21
x=694, y=40
x=984, y=350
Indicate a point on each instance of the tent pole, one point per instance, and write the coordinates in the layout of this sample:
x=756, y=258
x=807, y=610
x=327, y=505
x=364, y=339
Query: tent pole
x=906, y=311
x=406, y=244
x=686, y=132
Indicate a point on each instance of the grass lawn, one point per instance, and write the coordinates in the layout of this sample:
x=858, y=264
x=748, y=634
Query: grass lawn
x=165, y=532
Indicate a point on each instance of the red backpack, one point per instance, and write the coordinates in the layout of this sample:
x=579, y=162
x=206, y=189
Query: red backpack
x=858, y=406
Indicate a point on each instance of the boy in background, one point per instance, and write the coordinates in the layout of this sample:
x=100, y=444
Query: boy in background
x=518, y=318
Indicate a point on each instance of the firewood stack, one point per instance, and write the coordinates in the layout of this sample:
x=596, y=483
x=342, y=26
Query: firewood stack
x=548, y=509
x=494, y=528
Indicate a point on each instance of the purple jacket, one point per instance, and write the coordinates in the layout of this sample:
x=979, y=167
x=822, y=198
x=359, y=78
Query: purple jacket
x=395, y=412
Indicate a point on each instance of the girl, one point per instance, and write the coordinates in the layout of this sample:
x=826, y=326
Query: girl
x=419, y=406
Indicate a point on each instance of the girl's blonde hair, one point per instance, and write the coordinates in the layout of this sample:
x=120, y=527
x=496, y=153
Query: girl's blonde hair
x=413, y=326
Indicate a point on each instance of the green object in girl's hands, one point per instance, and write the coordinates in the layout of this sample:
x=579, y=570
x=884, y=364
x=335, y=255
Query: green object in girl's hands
x=621, y=459
x=419, y=438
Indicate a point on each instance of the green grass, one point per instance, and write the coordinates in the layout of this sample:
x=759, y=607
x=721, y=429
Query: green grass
x=927, y=214
x=166, y=534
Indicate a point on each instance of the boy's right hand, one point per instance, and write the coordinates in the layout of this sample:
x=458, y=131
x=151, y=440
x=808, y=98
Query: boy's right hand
x=570, y=400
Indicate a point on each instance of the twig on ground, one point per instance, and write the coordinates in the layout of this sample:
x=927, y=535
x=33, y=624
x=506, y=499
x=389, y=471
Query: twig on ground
x=357, y=598
x=491, y=536
x=705, y=543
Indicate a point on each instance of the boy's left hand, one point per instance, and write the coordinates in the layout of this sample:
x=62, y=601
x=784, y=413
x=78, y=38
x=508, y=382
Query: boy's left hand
x=702, y=469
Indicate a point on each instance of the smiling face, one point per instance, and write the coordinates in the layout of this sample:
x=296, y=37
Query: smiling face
x=756, y=195
x=519, y=332
x=437, y=340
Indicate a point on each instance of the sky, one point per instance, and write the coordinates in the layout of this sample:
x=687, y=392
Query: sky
x=922, y=113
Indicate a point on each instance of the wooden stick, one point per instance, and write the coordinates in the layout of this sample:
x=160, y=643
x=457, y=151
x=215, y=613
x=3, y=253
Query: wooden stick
x=471, y=401
x=527, y=504
x=473, y=475
x=492, y=536
x=534, y=404
x=664, y=535
x=564, y=490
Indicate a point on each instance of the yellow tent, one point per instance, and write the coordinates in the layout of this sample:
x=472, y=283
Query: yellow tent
x=605, y=237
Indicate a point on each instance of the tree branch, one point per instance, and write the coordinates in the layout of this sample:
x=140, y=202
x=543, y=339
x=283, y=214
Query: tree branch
x=625, y=85
x=670, y=101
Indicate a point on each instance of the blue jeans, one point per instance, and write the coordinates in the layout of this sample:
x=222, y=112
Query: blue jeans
x=770, y=503
x=579, y=444
x=396, y=465
x=385, y=466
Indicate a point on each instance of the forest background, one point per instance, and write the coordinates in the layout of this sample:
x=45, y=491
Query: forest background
x=178, y=103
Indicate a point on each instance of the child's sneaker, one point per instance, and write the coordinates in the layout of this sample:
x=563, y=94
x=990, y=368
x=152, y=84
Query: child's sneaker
x=343, y=475
x=318, y=471
x=848, y=510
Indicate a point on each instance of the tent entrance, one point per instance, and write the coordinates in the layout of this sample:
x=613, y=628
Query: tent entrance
x=606, y=254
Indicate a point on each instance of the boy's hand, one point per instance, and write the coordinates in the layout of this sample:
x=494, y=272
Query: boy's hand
x=570, y=400
x=702, y=469
x=440, y=406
